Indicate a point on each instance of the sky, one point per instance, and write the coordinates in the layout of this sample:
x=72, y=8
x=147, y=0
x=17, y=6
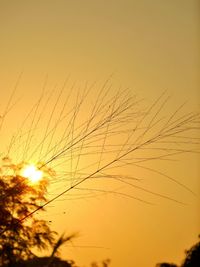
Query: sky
x=147, y=47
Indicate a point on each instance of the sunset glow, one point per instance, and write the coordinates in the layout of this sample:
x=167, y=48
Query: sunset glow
x=32, y=173
x=99, y=130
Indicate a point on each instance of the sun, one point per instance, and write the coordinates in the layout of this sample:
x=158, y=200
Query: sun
x=32, y=173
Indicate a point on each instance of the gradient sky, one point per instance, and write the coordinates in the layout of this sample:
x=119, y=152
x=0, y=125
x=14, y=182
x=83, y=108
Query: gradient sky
x=149, y=46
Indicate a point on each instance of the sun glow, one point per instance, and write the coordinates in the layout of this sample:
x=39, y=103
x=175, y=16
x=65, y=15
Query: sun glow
x=32, y=173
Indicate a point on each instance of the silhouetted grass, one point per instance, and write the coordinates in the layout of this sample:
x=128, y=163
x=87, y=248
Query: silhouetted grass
x=89, y=134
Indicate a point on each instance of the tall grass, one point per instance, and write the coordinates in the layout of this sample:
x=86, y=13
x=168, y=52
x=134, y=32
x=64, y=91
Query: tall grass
x=92, y=135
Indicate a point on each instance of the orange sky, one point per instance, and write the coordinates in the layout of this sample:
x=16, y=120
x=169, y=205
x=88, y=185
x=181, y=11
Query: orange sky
x=149, y=47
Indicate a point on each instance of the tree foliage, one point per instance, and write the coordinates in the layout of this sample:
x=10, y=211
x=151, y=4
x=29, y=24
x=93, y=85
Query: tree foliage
x=165, y=264
x=43, y=262
x=192, y=258
x=19, y=198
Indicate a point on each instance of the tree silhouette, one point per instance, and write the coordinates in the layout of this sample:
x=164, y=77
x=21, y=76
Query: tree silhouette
x=19, y=198
x=192, y=256
x=42, y=262
x=60, y=242
x=164, y=264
